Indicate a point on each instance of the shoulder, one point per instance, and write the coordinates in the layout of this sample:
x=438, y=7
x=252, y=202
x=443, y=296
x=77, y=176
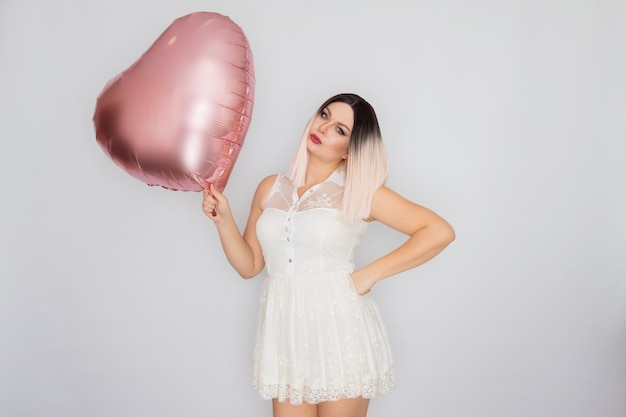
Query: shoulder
x=264, y=188
x=384, y=194
x=386, y=199
x=394, y=210
x=268, y=181
x=404, y=215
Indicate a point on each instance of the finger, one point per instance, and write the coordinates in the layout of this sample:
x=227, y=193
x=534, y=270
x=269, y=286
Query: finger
x=208, y=198
x=210, y=203
x=216, y=194
x=209, y=209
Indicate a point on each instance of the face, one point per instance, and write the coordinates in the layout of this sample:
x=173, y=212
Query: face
x=330, y=132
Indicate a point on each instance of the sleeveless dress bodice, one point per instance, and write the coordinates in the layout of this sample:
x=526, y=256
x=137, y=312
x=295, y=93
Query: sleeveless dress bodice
x=302, y=236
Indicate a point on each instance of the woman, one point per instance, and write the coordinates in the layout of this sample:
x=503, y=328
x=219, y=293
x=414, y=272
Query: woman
x=321, y=348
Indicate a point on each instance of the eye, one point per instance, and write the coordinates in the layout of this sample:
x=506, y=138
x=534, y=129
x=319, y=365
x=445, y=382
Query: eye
x=341, y=132
x=324, y=115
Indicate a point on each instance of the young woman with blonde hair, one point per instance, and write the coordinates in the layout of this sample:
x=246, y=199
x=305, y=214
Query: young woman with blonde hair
x=321, y=348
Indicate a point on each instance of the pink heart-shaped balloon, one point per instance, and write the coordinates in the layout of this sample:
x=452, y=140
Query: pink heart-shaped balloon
x=179, y=115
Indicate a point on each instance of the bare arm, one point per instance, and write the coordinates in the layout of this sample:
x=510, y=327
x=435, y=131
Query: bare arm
x=428, y=235
x=242, y=251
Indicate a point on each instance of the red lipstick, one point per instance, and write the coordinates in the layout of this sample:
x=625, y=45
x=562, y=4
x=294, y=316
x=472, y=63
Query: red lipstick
x=315, y=139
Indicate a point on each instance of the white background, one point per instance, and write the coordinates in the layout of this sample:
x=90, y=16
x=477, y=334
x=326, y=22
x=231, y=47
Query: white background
x=508, y=118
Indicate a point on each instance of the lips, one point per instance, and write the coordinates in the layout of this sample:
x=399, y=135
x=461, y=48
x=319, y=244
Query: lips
x=315, y=139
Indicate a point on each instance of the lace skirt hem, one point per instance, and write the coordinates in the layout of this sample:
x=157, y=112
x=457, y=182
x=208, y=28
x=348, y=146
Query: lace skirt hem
x=296, y=395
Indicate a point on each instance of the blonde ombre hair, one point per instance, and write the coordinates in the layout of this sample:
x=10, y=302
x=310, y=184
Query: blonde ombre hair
x=366, y=167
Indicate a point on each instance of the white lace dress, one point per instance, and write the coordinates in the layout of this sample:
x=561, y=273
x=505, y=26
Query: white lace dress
x=317, y=339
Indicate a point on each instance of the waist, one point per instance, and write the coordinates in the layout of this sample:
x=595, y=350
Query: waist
x=310, y=275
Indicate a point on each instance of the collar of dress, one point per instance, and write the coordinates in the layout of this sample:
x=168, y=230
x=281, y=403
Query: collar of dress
x=337, y=176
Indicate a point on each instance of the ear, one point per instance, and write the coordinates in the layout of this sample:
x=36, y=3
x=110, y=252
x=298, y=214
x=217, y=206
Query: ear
x=345, y=156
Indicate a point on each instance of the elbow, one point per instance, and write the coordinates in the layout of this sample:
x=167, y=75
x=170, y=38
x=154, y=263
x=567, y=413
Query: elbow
x=250, y=273
x=246, y=275
x=250, y=268
x=445, y=235
x=451, y=235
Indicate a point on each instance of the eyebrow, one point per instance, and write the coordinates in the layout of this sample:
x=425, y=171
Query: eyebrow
x=330, y=113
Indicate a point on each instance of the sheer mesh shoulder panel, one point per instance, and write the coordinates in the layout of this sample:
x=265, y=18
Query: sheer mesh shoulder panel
x=283, y=196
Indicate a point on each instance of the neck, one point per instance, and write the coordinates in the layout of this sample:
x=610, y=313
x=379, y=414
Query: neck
x=317, y=172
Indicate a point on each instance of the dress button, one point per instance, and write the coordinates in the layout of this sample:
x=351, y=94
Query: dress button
x=288, y=239
x=290, y=261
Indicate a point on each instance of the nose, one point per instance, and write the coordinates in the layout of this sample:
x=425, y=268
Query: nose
x=323, y=126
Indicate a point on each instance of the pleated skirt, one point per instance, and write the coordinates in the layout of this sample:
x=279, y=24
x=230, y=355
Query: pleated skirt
x=318, y=340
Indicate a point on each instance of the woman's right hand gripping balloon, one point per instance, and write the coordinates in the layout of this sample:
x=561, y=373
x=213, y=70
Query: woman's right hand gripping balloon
x=215, y=205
